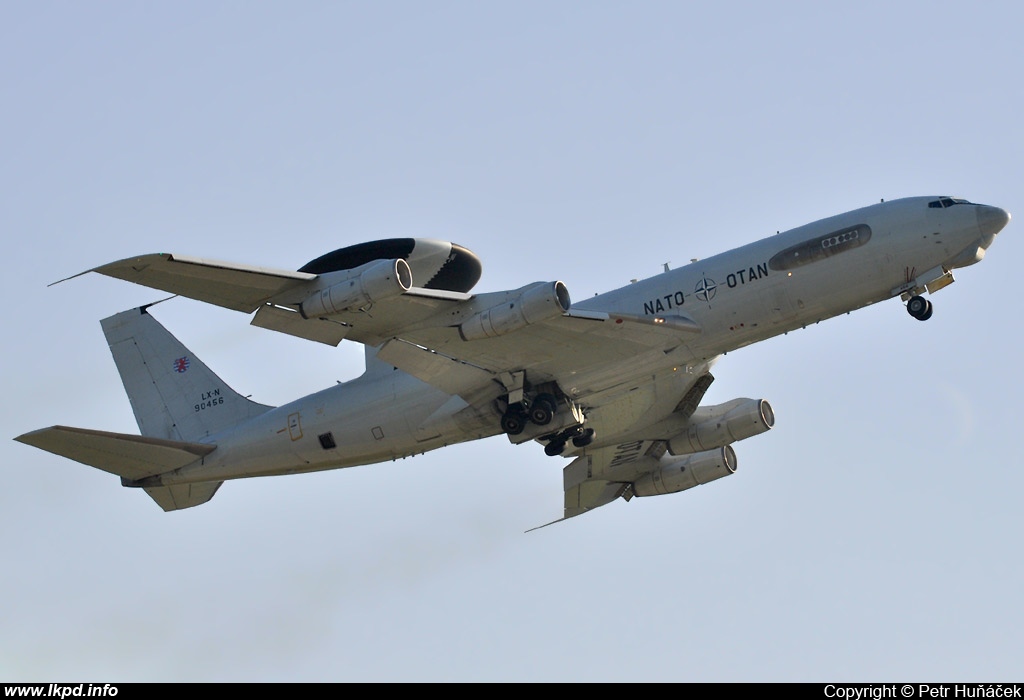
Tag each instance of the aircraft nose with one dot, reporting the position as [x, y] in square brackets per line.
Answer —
[991, 220]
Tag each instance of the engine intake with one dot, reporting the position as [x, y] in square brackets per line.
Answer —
[716, 426]
[681, 474]
[538, 303]
[353, 289]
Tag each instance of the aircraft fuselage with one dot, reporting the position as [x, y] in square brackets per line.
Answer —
[775, 285]
[806, 274]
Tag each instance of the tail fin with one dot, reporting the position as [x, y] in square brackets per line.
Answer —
[177, 402]
[173, 394]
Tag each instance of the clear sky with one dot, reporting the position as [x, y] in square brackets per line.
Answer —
[873, 535]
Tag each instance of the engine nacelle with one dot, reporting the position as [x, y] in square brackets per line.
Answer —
[681, 474]
[542, 301]
[716, 426]
[347, 290]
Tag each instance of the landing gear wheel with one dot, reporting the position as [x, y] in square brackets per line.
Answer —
[514, 421]
[555, 447]
[542, 409]
[920, 308]
[584, 438]
[928, 313]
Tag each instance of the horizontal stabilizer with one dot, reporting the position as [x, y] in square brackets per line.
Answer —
[183, 495]
[131, 457]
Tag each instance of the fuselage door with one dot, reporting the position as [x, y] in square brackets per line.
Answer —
[294, 427]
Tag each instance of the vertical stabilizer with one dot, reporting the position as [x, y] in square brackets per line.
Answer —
[174, 395]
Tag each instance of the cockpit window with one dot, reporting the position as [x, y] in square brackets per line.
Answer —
[947, 202]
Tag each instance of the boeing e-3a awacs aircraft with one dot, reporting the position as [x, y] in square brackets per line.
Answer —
[615, 382]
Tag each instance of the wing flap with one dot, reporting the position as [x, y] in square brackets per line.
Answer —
[449, 375]
[321, 330]
[131, 457]
[591, 494]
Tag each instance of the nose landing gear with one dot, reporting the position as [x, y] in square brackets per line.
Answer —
[920, 308]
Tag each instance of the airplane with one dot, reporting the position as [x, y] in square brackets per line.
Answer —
[614, 382]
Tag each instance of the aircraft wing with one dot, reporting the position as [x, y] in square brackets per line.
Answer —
[456, 341]
[642, 467]
[599, 476]
[233, 286]
[277, 296]
[584, 352]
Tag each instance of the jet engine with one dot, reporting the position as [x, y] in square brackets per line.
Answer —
[346, 290]
[542, 301]
[435, 264]
[681, 474]
[723, 424]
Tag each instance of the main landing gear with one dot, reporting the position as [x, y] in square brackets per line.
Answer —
[920, 308]
[540, 412]
[549, 419]
[581, 437]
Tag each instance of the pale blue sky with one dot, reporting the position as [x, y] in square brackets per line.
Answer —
[873, 535]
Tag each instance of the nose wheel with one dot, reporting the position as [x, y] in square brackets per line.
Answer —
[920, 308]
